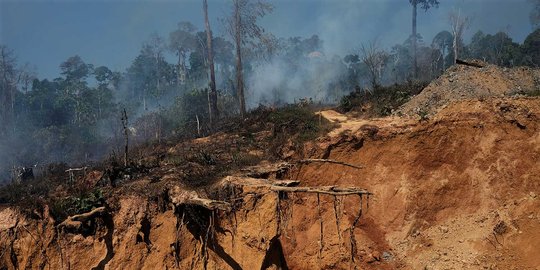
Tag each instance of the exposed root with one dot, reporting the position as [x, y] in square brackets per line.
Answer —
[352, 238]
[338, 213]
[179, 226]
[321, 234]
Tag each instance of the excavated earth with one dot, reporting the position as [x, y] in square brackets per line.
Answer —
[460, 190]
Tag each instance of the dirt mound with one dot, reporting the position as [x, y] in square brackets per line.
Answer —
[461, 82]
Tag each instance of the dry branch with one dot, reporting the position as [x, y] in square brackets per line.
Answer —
[75, 221]
[331, 161]
[182, 197]
[329, 190]
[467, 63]
[76, 169]
[258, 182]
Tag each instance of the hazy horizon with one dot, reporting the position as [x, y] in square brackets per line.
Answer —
[110, 33]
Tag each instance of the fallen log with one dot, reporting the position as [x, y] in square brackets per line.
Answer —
[468, 63]
[331, 161]
[265, 171]
[75, 222]
[181, 197]
[329, 190]
[292, 186]
[258, 182]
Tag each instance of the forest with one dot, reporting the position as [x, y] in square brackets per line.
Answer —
[76, 118]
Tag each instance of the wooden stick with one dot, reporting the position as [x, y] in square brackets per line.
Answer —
[330, 161]
[76, 169]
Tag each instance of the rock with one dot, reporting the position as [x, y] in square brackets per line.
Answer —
[443, 229]
[375, 254]
[387, 256]
[77, 238]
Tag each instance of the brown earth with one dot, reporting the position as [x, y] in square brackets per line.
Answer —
[459, 191]
[461, 82]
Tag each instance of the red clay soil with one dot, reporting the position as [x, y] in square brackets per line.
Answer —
[459, 191]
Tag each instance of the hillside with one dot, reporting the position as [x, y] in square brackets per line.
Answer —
[288, 188]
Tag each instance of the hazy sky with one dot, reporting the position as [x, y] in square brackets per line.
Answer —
[110, 32]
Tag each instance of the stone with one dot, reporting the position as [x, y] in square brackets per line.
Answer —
[443, 229]
[387, 256]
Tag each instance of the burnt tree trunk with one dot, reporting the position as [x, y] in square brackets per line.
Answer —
[126, 137]
[214, 113]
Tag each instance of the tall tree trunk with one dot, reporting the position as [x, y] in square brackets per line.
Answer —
[214, 113]
[415, 61]
[455, 44]
[181, 68]
[443, 60]
[239, 75]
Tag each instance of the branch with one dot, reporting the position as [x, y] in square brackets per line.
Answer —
[467, 63]
[292, 186]
[75, 221]
[183, 197]
[330, 161]
[76, 169]
[329, 190]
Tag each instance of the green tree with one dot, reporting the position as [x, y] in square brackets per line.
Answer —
[531, 49]
[182, 41]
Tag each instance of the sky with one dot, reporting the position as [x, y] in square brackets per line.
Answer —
[44, 33]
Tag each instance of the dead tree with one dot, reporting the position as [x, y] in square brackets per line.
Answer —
[126, 135]
[458, 24]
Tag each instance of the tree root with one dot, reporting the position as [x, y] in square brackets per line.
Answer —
[321, 234]
[75, 222]
[352, 238]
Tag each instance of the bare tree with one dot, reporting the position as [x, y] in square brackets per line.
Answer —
[214, 113]
[374, 57]
[443, 42]
[458, 25]
[27, 74]
[242, 26]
